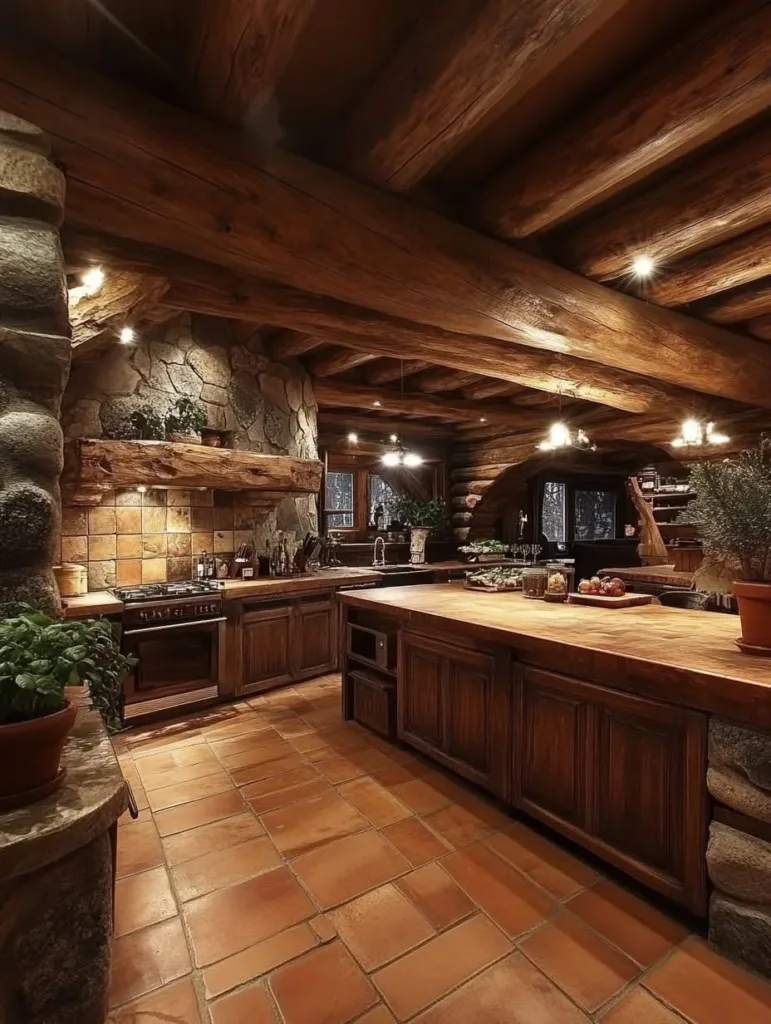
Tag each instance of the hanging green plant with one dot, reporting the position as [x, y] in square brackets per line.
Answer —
[187, 417]
[149, 424]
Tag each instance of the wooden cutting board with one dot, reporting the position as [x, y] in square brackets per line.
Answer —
[627, 601]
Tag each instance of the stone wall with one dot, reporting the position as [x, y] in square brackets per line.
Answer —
[34, 363]
[151, 537]
[739, 858]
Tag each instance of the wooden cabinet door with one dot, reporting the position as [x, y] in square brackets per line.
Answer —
[551, 748]
[266, 652]
[315, 637]
[419, 695]
[649, 770]
[477, 715]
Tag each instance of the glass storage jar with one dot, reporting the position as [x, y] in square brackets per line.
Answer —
[559, 581]
[534, 582]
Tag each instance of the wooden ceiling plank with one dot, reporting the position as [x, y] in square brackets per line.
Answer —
[287, 344]
[737, 305]
[379, 426]
[489, 389]
[709, 201]
[711, 81]
[458, 63]
[327, 364]
[734, 263]
[440, 379]
[240, 50]
[125, 300]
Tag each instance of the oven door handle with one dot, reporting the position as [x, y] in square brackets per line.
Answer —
[174, 625]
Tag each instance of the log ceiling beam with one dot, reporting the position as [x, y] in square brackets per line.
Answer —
[373, 449]
[389, 370]
[381, 427]
[458, 63]
[713, 80]
[740, 304]
[368, 331]
[439, 379]
[734, 263]
[327, 364]
[241, 48]
[129, 160]
[287, 344]
[711, 200]
[359, 396]
[125, 299]
[760, 327]
[489, 389]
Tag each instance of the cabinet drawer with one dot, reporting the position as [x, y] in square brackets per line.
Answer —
[374, 703]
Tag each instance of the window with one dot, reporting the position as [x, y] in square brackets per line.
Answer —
[338, 501]
[595, 515]
[554, 511]
[380, 493]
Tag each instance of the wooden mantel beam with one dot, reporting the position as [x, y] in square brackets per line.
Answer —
[360, 396]
[711, 81]
[461, 59]
[709, 201]
[149, 173]
[240, 49]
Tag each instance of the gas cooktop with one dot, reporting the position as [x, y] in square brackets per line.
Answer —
[167, 591]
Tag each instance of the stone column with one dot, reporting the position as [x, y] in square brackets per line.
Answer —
[34, 364]
[739, 854]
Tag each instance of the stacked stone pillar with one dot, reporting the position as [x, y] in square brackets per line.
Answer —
[739, 851]
[34, 364]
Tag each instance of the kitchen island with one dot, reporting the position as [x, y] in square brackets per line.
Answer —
[594, 721]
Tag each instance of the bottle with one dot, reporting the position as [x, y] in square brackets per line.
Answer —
[200, 567]
[379, 518]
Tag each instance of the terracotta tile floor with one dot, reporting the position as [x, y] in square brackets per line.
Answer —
[289, 868]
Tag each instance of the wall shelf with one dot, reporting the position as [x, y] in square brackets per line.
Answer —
[93, 466]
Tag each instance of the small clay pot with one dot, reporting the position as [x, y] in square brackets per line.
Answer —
[30, 753]
[754, 601]
[211, 438]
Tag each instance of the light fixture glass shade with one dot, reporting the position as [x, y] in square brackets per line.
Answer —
[694, 433]
[561, 436]
[413, 459]
[392, 459]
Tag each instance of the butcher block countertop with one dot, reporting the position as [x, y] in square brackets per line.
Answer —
[665, 575]
[684, 657]
[98, 602]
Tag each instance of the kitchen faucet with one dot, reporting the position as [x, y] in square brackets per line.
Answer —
[381, 560]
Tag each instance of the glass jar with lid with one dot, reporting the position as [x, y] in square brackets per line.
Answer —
[559, 581]
[534, 582]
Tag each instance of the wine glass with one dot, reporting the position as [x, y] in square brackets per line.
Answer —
[537, 548]
[525, 553]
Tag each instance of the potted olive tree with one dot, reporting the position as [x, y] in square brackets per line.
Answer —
[732, 511]
[421, 517]
[185, 421]
[39, 657]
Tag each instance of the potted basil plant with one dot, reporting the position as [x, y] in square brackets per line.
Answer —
[732, 512]
[185, 421]
[39, 657]
[422, 517]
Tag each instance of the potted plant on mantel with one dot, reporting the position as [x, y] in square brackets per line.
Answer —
[39, 657]
[185, 421]
[732, 511]
[421, 517]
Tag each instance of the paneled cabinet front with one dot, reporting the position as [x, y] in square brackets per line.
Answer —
[285, 641]
[454, 705]
[622, 775]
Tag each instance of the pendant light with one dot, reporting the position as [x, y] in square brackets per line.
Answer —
[398, 455]
[562, 436]
[695, 434]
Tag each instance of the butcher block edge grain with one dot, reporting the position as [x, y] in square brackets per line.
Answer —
[686, 658]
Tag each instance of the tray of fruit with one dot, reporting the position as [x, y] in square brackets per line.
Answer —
[609, 592]
[494, 581]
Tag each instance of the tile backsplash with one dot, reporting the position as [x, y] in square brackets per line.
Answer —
[156, 536]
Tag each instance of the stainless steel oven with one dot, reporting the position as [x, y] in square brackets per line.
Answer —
[179, 644]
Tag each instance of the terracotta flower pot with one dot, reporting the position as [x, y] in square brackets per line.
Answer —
[30, 753]
[755, 612]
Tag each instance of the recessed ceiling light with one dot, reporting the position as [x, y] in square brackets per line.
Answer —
[141, 489]
[127, 335]
[376, 403]
[353, 438]
[394, 438]
[93, 280]
[482, 419]
[643, 266]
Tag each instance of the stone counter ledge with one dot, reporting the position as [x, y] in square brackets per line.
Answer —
[91, 799]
